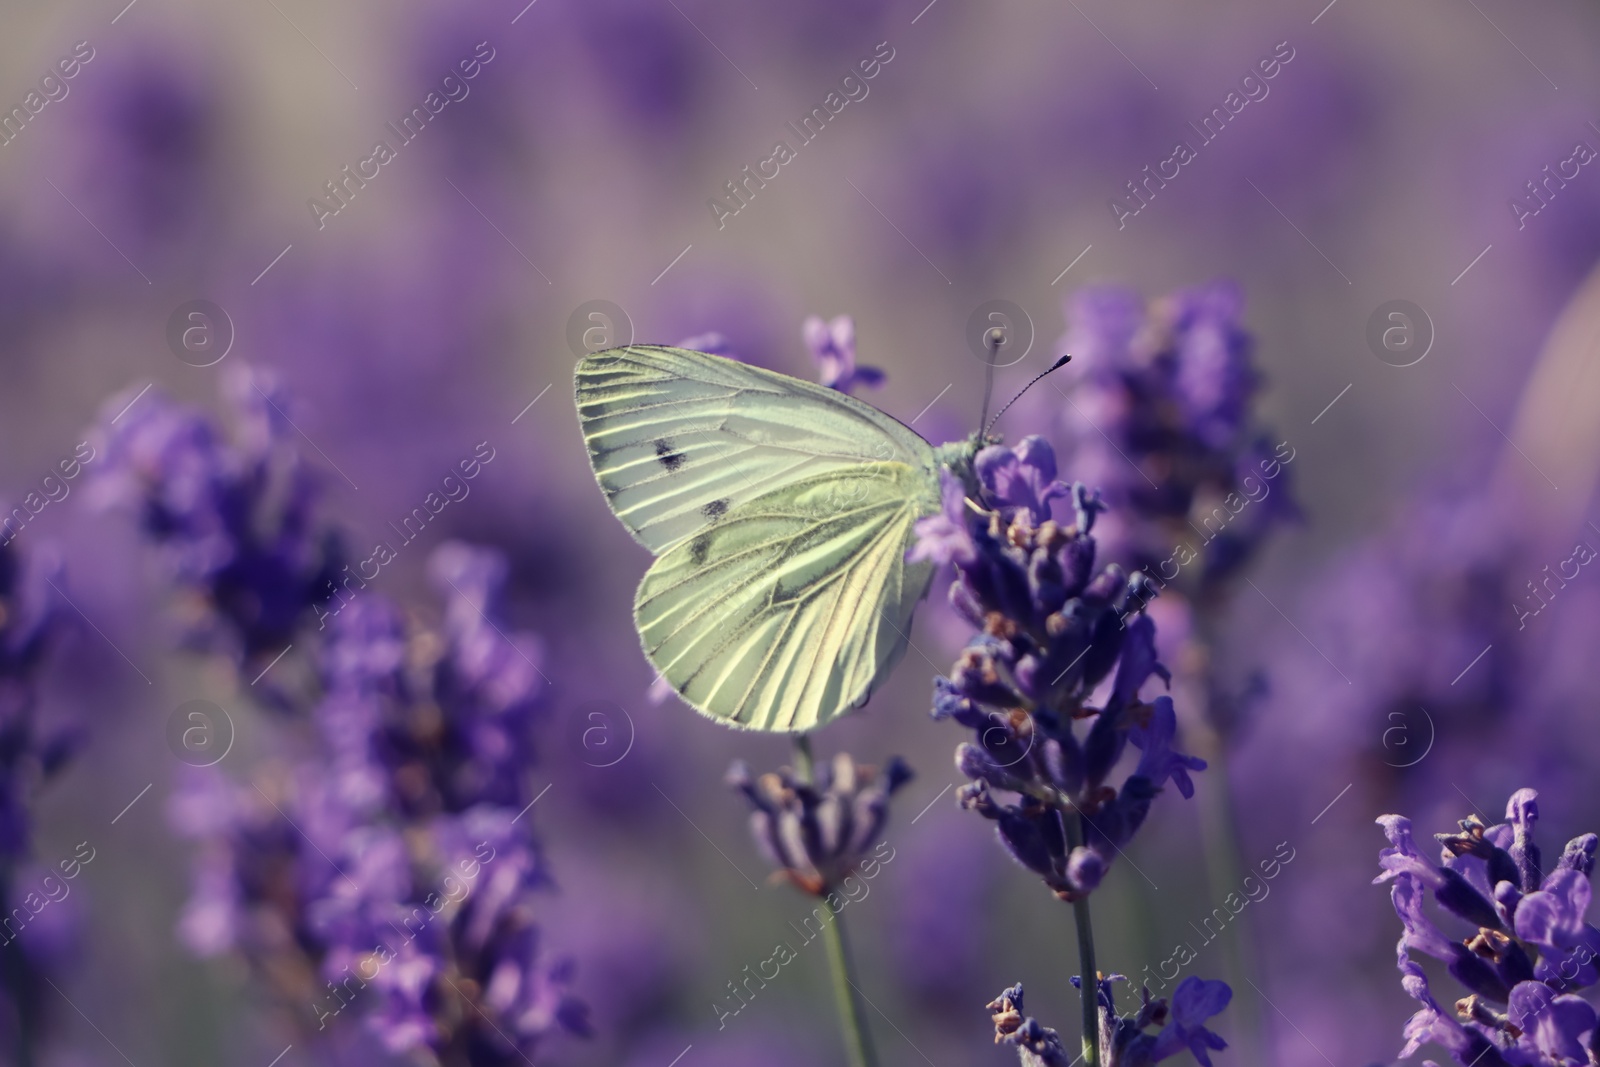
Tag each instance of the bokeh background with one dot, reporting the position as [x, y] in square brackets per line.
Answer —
[438, 304]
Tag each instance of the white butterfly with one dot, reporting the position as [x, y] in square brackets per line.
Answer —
[780, 512]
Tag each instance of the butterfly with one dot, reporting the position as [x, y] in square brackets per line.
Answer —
[780, 513]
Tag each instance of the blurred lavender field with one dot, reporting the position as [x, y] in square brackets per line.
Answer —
[290, 302]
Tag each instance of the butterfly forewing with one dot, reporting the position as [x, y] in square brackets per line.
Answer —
[679, 439]
[788, 609]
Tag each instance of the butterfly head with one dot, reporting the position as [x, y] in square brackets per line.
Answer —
[959, 457]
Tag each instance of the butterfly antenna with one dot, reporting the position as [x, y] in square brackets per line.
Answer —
[1057, 365]
[991, 342]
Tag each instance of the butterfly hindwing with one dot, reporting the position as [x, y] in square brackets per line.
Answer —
[785, 611]
[679, 439]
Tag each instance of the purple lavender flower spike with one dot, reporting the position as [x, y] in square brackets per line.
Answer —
[1215, 374]
[424, 744]
[31, 755]
[833, 346]
[235, 523]
[1052, 631]
[819, 833]
[153, 120]
[389, 861]
[1124, 1040]
[1521, 1009]
[1162, 421]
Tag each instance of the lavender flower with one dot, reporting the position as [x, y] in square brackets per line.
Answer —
[833, 346]
[29, 624]
[153, 119]
[1123, 1040]
[491, 682]
[30, 950]
[391, 853]
[1163, 424]
[1051, 631]
[1532, 950]
[1402, 614]
[659, 81]
[1021, 477]
[394, 859]
[818, 833]
[235, 522]
[943, 537]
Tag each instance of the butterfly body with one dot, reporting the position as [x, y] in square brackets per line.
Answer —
[780, 513]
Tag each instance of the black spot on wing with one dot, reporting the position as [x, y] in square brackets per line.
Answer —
[699, 548]
[666, 456]
[715, 510]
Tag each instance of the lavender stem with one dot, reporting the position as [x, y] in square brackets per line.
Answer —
[804, 765]
[857, 1037]
[1089, 977]
[846, 995]
[1224, 861]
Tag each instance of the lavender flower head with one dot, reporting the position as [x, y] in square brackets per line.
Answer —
[1051, 631]
[818, 833]
[31, 949]
[395, 856]
[1532, 949]
[30, 621]
[385, 865]
[1163, 423]
[1123, 1040]
[235, 521]
[833, 346]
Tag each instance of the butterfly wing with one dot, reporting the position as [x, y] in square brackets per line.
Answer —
[786, 611]
[679, 438]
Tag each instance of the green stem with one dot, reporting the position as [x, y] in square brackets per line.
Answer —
[846, 993]
[16, 978]
[846, 996]
[804, 766]
[1088, 975]
[1224, 860]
